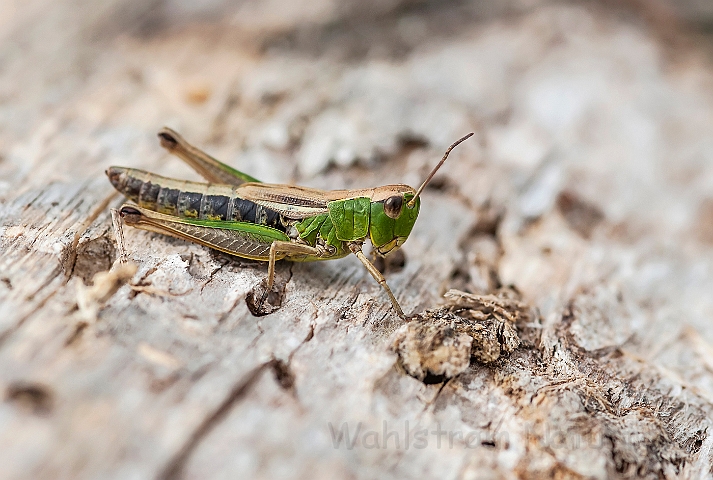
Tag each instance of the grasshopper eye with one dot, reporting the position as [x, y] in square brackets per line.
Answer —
[392, 206]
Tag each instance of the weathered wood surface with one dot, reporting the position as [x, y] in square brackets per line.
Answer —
[589, 189]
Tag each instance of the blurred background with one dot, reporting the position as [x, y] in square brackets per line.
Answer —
[588, 186]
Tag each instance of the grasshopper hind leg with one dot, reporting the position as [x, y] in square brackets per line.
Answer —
[207, 166]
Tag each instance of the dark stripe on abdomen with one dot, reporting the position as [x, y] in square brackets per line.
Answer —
[189, 204]
[167, 201]
[172, 201]
[243, 210]
[148, 194]
[214, 207]
[248, 211]
[132, 188]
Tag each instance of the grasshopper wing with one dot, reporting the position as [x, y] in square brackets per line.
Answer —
[241, 239]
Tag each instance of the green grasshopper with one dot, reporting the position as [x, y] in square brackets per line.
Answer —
[239, 215]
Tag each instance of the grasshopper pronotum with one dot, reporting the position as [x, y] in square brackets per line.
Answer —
[239, 215]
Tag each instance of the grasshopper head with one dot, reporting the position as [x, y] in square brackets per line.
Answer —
[394, 210]
[393, 215]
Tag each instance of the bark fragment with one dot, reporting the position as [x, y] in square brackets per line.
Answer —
[440, 342]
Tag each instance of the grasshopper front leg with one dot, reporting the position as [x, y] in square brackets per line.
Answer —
[356, 250]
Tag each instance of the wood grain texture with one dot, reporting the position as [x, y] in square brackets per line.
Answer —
[587, 190]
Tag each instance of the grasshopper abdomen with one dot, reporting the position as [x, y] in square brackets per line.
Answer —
[193, 200]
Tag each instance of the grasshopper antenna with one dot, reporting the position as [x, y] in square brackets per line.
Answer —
[411, 202]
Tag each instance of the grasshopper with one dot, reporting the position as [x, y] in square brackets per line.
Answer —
[239, 215]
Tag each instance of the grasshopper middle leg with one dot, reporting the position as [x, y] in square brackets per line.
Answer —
[279, 250]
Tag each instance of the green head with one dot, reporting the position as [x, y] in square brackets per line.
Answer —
[394, 209]
[392, 219]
